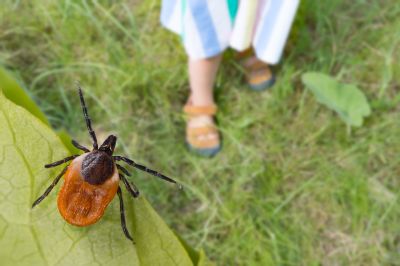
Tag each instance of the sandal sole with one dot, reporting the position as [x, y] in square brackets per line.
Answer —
[264, 85]
[206, 152]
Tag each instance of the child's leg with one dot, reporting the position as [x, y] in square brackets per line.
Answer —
[258, 74]
[202, 74]
[201, 133]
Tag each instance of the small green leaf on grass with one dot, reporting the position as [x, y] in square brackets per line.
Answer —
[345, 99]
[40, 236]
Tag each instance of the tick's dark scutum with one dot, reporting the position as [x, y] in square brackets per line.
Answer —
[97, 167]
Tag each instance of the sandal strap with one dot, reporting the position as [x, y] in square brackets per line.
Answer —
[258, 79]
[244, 54]
[256, 65]
[200, 110]
[193, 134]
[198, 131]
[249, 60]
[205, 143]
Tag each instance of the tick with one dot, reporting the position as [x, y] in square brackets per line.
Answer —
[92, 179]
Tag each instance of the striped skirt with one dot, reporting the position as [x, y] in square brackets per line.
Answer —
[208, 27]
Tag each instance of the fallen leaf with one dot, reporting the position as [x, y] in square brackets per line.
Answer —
[345, 99]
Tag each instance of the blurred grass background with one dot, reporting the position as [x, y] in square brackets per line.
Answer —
[291, 186]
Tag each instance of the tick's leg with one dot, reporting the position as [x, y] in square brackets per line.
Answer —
[79, 146]
[61, 161]
[87, 118]
[129, 186]
[122, 211]
[48, 190]
[123, 169]
[132, 189]
[144, 168]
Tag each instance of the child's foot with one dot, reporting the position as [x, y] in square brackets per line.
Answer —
[202, 136]
[258, 74]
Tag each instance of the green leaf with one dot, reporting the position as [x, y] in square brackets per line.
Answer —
[18, 95]
[40, 236]
[157, 244]
[203, 260]
[345, 99]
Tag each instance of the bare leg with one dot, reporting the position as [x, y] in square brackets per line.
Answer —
[202, 75]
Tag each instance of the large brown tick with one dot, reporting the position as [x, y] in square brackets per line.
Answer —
[92, 179]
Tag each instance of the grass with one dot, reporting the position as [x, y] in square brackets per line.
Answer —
[292, 186]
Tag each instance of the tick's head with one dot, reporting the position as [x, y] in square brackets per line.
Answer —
[108, 145]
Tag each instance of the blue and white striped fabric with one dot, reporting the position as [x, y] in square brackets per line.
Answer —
[208, 27]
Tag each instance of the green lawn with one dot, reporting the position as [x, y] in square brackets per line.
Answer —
[292, 186]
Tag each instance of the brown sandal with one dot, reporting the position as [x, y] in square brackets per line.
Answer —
[194, 140]
[258, 74]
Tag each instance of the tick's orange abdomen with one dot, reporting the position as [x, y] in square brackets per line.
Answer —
[81, 203]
